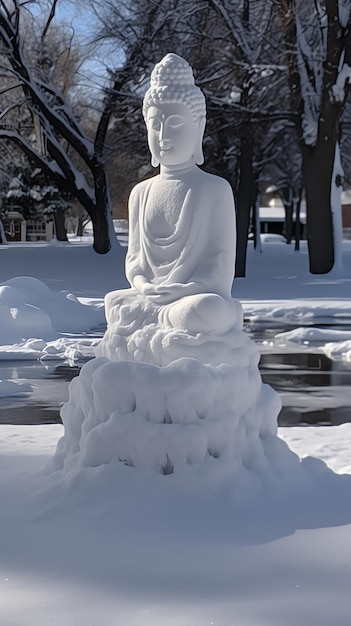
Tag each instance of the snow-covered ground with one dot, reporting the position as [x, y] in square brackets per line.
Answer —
[49, 293]
[110, 545]
[278, 292]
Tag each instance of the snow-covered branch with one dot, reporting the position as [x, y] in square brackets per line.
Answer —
[311, 81]
[343, 79]
[31, 153]
[65, 142]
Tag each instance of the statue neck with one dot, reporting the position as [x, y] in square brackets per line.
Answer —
[177, 171]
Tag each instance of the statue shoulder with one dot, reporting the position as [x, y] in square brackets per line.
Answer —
[139, 189]
[216, 185]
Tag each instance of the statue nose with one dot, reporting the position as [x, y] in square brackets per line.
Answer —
[163, 137]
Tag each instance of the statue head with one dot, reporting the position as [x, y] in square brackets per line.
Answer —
[175, 114]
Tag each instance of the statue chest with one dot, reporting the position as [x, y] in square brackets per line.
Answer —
[164, 206]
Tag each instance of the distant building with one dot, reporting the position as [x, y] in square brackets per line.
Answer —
[272, 218]
[18, 229]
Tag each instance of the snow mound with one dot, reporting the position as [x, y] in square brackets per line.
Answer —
[29, 309]
[9, 388]
[64, 348]
[313, 335]
[302, 312]
[335, 350]
[272, 238]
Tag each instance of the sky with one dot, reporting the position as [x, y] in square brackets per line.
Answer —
[84, 21]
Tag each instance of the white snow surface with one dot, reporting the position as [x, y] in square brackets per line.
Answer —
[278, 290]
[111, 545]
[28, 308]
[38, 316]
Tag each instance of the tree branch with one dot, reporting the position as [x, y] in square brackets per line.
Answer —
[49, 20]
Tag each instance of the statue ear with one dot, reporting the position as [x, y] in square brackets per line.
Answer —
[198, 153]
[154, 161]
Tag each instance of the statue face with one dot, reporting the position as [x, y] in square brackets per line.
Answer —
[172, 134]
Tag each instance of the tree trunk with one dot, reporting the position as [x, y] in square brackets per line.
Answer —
[60, 229]
[318, 160]
[317, 170]
[297, 206]
[319, 219]
[256, 222]
[101, 216]
[286, 194]
[102, 243]
[336, 208]
[244, 204]
[2, 233]
[80, 227]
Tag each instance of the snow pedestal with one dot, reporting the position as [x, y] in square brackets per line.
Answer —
[142, 403]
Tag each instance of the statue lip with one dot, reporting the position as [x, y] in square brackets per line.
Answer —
[165, 145]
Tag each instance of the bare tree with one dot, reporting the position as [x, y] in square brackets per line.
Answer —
[228, 44]
[65, 141]
[345, 143]
[280, 166]
[318, 53]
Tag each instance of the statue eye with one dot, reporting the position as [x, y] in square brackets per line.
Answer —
[175, 121]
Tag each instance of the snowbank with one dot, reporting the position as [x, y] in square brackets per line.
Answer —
[319, 336]
[32, 316]
[335, 350]
[288, 313]
[335, 344]
[10, 388]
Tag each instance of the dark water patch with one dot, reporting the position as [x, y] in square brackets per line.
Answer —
[314, 389]
[31, 413]
[291, 416]
[49, 391]
[268, 328]
[298, 369]
[65, 372]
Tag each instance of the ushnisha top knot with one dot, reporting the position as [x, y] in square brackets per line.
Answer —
[172, 70]
[172, 80]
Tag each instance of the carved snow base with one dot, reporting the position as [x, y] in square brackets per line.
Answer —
[164, 419]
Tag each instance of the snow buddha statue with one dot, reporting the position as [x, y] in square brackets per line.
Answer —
[175, 383]
[182, 236]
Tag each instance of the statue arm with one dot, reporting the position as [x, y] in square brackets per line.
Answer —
[216, 267]
[135, 271]
[166, 293]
